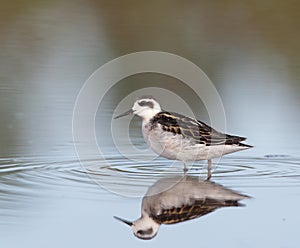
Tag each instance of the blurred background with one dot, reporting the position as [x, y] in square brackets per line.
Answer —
[48, 49]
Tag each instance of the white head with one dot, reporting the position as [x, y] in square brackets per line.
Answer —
[146, 107]
[143, 228]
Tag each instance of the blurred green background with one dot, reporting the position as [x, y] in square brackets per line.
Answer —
[250, 51]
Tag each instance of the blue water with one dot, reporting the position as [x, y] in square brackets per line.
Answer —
[41, 199]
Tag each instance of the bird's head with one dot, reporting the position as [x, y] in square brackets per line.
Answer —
[143, 228]
[146, 107]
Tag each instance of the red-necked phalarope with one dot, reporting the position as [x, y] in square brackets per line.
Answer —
[178, 137]
[177, 199]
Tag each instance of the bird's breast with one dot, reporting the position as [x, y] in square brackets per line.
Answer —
[164, 143]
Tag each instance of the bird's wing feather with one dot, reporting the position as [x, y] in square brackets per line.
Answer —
[191, 211]
[176, 199]
[195, 129]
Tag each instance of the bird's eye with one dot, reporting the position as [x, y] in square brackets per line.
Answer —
[143, 103]
[146, 103]
[145, 232]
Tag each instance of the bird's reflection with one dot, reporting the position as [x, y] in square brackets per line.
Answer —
[176, 199]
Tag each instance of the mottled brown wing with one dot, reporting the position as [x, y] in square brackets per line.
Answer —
[195, 129]
[188, 212]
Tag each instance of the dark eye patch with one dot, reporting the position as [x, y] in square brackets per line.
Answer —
[146, 103]
[145, 232]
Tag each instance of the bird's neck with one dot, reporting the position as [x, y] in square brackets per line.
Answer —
[146, 221]
[148, 115]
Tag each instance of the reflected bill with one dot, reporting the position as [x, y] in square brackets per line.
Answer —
[176, 199]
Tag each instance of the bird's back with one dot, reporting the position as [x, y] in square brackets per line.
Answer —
[196, 130]
[176, 199]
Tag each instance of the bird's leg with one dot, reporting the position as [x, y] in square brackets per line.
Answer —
[208, 169]
[185, 169]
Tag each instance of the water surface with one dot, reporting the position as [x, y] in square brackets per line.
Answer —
[249, 50]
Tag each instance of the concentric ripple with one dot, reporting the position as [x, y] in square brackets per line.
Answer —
[129, 178]
[26, 179]
[29, 181]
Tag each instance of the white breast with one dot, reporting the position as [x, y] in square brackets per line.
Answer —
[172, 146]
